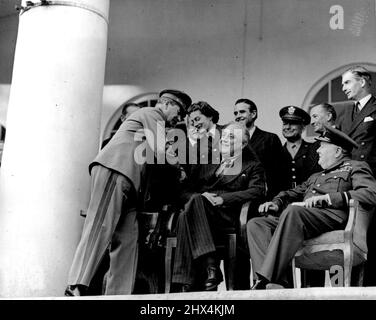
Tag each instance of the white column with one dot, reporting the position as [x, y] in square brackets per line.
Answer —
[52, 135]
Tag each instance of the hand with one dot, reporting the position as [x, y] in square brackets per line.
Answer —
[266, 207]
[213, 198]
[218, 201]
[183, 175]
[317, 201]
[171, 156]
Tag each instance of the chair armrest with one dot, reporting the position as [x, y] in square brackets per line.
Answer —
[243, 219]
[353, 210]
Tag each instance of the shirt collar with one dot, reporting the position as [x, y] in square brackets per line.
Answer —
[251, 131]
[212, 130]
[297, 143]
[337, 164]
[364, 101]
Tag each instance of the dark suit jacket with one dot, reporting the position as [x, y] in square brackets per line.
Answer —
[302, 166]
[268, 148]
[246, 185]
[361, 128]
[195, 167]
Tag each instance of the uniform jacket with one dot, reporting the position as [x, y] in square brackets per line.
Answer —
[361, 128]
[119, 153]
[268, 148]
[302, 166]
[345, 180]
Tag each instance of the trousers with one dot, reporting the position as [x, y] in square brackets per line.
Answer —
[273, 241]
[110, 222]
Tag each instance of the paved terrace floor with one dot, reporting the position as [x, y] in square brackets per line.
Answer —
[352, 293]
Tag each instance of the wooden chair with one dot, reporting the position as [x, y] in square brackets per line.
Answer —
[152, 228]
[346, 248]
[229, 248]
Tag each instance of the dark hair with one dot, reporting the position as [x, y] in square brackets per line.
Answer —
[251, 104]
[205, 109]
[361, 73]
[328, 108]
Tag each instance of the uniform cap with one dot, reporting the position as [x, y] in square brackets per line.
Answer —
[337, 137]
[180, 97]
[294, 114]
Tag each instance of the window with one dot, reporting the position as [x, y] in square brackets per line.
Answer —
[2, 139]
[145, 100]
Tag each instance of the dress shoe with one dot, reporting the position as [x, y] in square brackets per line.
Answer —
[213, 279]
[259, 285]
[75, 290]
[274, 286]
[186, 288]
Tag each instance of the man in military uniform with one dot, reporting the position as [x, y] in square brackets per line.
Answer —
[300, 156]
[325, 195]
[116, 176]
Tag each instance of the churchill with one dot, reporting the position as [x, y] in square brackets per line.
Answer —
[275, 238]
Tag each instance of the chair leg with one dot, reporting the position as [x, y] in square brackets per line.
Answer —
[170, 244]
[294, 275]
[347, 265]
[357, 275]
[251, 275]
[230, 262]
[361, 275]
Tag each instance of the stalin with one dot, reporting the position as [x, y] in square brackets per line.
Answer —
[318, 205]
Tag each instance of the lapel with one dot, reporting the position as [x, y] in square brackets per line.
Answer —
[301, 152]
[257, 137]
[286, 151]
[226, 179]
[369, 108]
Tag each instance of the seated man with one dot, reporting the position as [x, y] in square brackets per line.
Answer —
[216, 204]
[273, 241]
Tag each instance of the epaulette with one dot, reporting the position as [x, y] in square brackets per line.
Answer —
[346, 167]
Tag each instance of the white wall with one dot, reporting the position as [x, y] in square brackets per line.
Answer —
[197, 46]
[202, 47]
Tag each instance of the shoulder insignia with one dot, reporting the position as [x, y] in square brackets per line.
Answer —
[344, 168]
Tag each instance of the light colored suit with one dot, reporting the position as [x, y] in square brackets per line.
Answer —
[111, 216]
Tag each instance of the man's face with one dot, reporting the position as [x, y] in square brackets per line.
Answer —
[319, 116]
[328, 154]
[352, 86]
[292, 131]
[173, 114]
[243, 115]
[231, 141]
[199, 123]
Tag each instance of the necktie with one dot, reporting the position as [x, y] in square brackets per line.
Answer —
[357, 107]
[293, 150]
[210, 145]
[224, 165]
